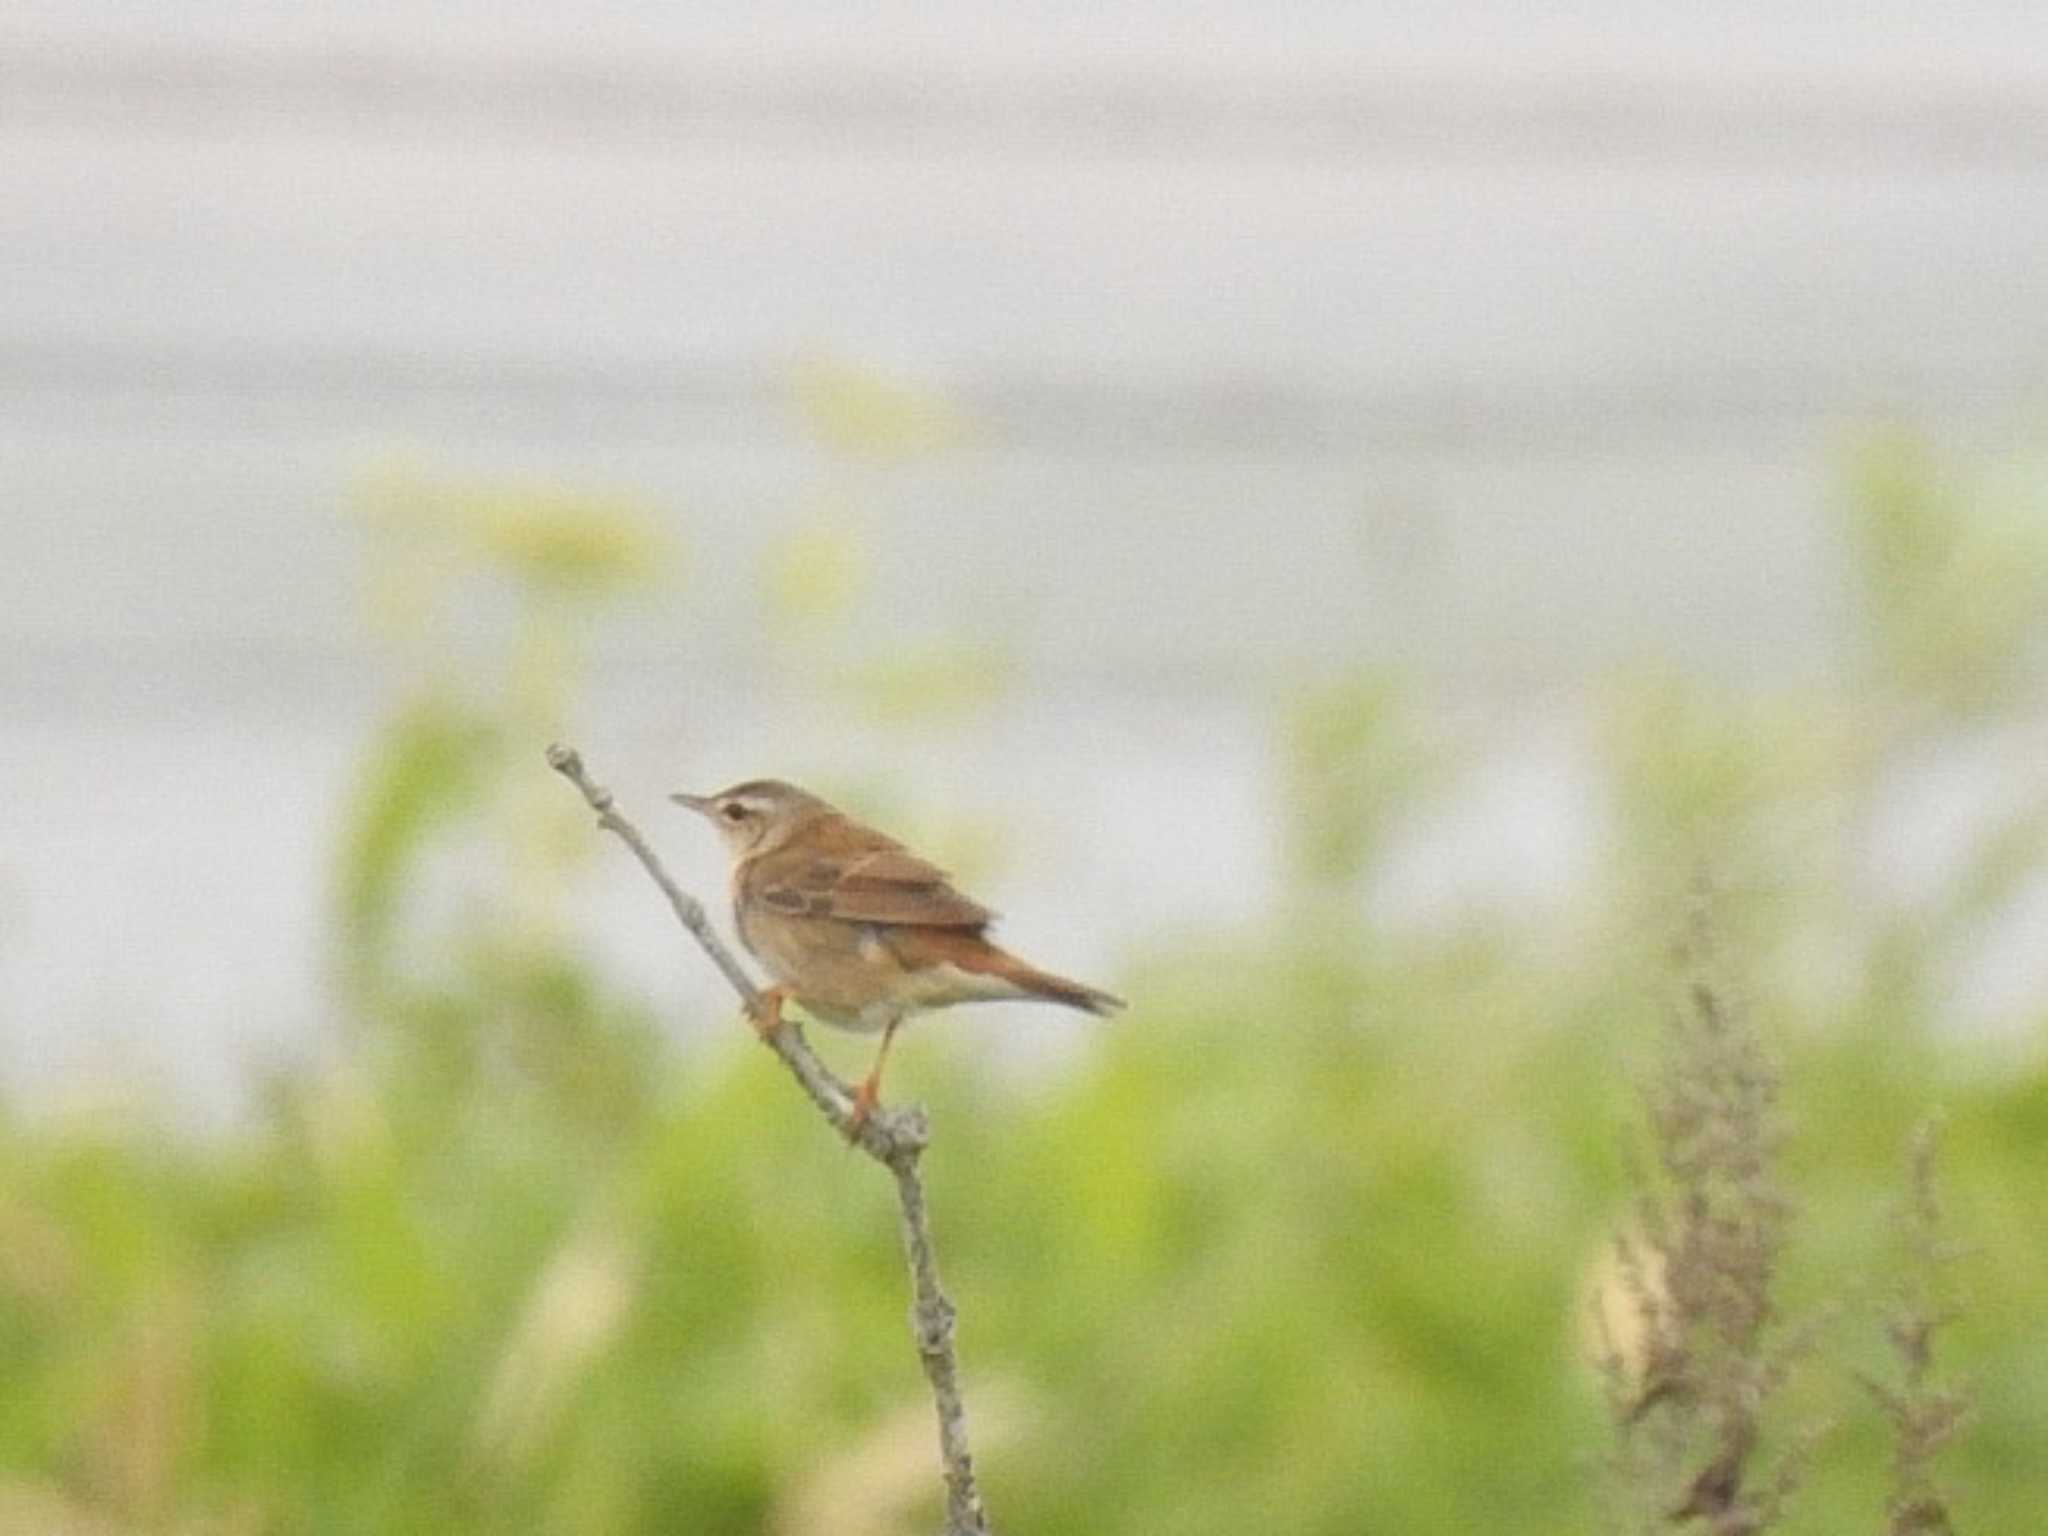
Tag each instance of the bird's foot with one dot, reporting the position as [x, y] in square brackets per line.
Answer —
[864, 1101]
[766, 1012]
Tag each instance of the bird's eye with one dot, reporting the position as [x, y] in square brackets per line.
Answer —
[732, 810]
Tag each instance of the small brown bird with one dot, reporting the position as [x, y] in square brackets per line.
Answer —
[856, 927]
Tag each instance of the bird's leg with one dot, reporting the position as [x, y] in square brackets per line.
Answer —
[766, 1013]
[870, 1089]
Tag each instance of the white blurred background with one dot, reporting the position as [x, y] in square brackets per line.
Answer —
[1401, 334]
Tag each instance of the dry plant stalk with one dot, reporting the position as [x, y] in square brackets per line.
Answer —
[1925, 1414]
[893, 1138]
[1711, 1227]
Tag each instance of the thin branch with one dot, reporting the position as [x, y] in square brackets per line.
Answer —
[893, 1138]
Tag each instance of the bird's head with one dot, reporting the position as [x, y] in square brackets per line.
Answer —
[755, 814]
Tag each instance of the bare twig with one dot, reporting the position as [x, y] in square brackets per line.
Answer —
[893, 1138]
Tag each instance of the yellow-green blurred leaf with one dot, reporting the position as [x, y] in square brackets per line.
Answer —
[860, 412]
[933, 683]
[1953, 581]
[1349, 758]
[815, 573]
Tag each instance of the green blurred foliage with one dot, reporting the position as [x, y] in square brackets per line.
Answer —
[864, 414]
[931, 684]
[557, 539]
[1952, 571]
[429, 768]
[815, 576]
[1308, 1244]
[1351, 760]
[454, 762]
[815, 573]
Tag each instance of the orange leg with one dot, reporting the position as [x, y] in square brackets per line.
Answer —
[870, 1089]
[766, 1014]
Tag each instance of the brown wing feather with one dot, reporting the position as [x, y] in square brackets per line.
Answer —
[858, 876]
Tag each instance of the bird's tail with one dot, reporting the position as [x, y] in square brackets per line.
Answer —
[1004, 975]
[1046, 987]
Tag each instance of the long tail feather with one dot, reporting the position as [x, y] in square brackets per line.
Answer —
[960, 950]
[1056, 989]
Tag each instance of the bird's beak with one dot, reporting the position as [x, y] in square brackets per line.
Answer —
[701, 804]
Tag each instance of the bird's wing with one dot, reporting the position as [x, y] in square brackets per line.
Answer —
[871, 881]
